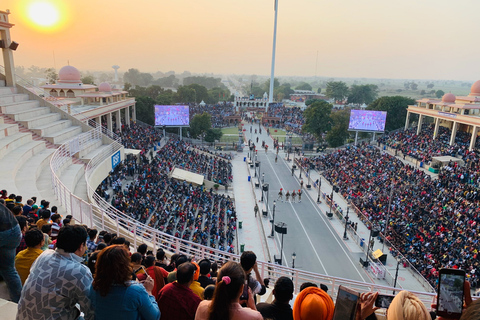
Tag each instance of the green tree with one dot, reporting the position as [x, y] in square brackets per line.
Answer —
[430, 85]
[200, 124]
[413, 86]
[153, 91]
[304, 86]
[337, 90]
[317, 118]
[337, 135]
[145, 109]
[88, 79]
[213, 134]
[168, 81]
[366, 93]
[319, 90]
[439, 93]
[217, 94]
[51, 75]
[135, 77]
[165, 98]
[396, 108]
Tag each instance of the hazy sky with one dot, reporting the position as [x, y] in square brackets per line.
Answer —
[426, 39]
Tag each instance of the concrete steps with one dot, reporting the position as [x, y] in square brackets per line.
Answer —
[27, 178]
[72, 175]
[64, 135]
[96, 149]
[12, 108]
[14, 97]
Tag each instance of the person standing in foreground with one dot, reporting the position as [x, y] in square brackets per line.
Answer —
[115, 295]
[58, 281]
[280, 308]
[225, 304]
[10, 237]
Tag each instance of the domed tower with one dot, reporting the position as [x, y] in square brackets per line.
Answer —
[475, 90]
[69, 75]
[104, 87]
[449, 98]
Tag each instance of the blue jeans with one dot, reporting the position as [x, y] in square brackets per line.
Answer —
[9, 241]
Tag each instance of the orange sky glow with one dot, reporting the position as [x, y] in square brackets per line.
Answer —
[428, 39]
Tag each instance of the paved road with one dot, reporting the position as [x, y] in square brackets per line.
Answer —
[317, 245]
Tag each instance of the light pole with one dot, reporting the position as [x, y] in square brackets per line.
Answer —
[294, 256]
[273, 219]
[330, 214]
[272, 76]
[300, 171]
[346, 225]
[263, 177]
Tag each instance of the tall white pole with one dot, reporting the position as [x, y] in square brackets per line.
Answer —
[272, 76]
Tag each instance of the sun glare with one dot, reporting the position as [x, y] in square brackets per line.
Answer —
[44, 14]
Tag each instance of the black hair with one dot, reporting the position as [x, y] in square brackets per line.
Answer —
[107, 237]
[101, 246]
[160, 254]
[18, 198]
[22, 221]
[92, 233]
[142, 249]
[149, 253]
[56, 216]
[204, 266]
[149, 261]
[46, 228]
[306, 285]
[136, 257]
[44, 213]
[181, 259]
[185, 272]
[247, 260]
[66, 221]
[323, 287]
[70, 238]
[54, 210]
[16, 210]
[283, 289]
[118, 240]
[209, 291]
[33, 237]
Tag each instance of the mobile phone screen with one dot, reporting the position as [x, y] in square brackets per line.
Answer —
[346, 305]
[244, 295]
[383, 301]
[450, 293]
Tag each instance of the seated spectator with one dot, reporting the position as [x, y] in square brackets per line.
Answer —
[114, 295]
[407, 306]
[248, 260]
[92, 260]
[44, 218]
[55, 225]
[306, 285]
[161, 259]
[472, 312]
[313, 303]
[119, 240]
[204, 273]
[156, 273]
[22, 222]
[209, 291]
[176, 300]
[142, 249]
[172, 276]
[17, 210]
[10, 236]
[18, 201]
[28, 207]
[280, 308]
[67, 279]
[136, 260]
[91, 244]
[33, 213]
[66, 222]
[195, 286]
[25, 258]
[47, 231]
[171, 265]
[10, 201]
[213, 268]
[225, 304]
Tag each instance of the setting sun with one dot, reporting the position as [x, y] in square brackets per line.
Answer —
[44, 14]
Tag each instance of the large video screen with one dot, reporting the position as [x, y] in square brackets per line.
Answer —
[173, 116]
[363, 120]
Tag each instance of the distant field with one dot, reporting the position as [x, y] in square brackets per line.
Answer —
[230, 130]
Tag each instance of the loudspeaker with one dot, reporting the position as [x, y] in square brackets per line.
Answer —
[363, 263]
[265, 187]
[13, 46]
[281, 227]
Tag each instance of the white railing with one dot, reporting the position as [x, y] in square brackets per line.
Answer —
[102, 215]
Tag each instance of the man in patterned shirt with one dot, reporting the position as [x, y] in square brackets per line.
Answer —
[58, 281]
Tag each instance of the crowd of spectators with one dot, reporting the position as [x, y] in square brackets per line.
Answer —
[423, 147]
[176, 207]
[139, 137]
[433, 221]
[218, 112]
[291, 118]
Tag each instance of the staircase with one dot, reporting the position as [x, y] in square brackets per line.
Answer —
[29, 135]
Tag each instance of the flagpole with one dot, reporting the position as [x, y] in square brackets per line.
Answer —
[272, 76]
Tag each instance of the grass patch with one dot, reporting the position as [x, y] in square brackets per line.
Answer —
[230, 130]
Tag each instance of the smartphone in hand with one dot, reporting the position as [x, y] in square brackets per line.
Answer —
[383, 301]
[450, 293]
[346, 304]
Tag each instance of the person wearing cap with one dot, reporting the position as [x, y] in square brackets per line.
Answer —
[313, 304]
[33, 213]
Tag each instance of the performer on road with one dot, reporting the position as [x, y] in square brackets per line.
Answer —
[300, 195]
[287, 195]
[280, 195]
[256, 209]
[294, 195]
